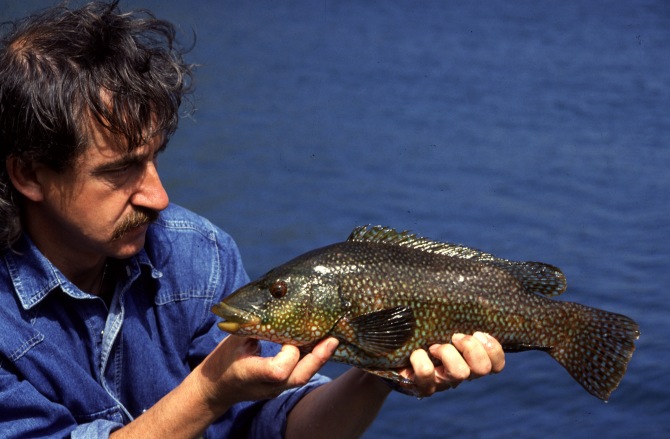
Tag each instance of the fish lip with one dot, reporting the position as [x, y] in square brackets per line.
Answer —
[235, 318]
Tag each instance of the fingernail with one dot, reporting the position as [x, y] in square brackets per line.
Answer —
[457, 337]
[484, 338]
[332, 345]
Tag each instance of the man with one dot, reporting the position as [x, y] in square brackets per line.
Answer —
[105, 328]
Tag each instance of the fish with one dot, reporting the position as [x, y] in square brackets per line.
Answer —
[384, 293]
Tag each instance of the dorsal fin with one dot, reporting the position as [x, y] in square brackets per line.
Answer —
[386, 235]
[536, 277]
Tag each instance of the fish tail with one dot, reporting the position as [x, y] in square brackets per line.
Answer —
[596, 348]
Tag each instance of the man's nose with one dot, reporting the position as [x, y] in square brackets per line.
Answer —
[151, 193]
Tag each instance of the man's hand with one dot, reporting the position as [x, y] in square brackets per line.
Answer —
[346, 406]
[467, 357]
[234, 372]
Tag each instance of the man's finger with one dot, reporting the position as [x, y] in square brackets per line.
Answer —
[493, 349]
[424, 372]
[283, 364]
[475, 355]
[454, 367]
[312, 362]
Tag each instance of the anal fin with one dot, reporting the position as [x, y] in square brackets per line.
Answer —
[396, 381]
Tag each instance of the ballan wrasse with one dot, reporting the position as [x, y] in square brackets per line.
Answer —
[384, 294]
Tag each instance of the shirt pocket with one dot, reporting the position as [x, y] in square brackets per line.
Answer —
[16, 343]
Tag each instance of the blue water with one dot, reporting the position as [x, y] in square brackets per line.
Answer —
[533, 130]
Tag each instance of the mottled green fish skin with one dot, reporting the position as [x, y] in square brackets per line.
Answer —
[384, 294]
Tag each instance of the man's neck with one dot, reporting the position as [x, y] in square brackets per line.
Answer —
[83, 269]
[91, 279]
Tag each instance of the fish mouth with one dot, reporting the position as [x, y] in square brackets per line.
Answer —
[235, 318]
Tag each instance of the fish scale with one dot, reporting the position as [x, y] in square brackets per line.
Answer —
[385, 293]
[437, 315]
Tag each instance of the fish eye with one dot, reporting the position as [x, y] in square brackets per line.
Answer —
[278, 289]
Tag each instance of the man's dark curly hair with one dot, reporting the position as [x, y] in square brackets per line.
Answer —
[62, 66]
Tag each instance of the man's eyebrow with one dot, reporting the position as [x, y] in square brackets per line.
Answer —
[121, 162]
[129, 159]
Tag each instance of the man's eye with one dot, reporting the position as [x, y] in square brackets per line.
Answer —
[119, 170]
[119, 175]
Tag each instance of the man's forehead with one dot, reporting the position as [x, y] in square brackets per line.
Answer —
[100, 140]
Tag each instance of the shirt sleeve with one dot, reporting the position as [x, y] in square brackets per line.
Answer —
[271, 417]
[27, 413]
[97, 429]
[263, 419]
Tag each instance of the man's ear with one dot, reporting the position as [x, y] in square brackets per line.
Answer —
[24, 177]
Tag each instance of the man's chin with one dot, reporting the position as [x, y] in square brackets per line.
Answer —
[130, 243]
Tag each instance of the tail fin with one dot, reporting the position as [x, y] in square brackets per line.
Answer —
[599, 349]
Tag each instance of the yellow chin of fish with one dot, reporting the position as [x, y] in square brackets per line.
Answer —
[235, 319]
[229, 327]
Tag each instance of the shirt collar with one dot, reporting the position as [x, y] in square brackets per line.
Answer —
[34, 276]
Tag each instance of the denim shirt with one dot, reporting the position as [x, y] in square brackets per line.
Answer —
[72, 366]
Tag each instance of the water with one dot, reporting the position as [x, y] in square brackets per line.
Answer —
[533, 130]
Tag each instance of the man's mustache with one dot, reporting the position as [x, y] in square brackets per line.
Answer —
[135, 219]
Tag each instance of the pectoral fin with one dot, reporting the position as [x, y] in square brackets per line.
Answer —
[379, 332]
